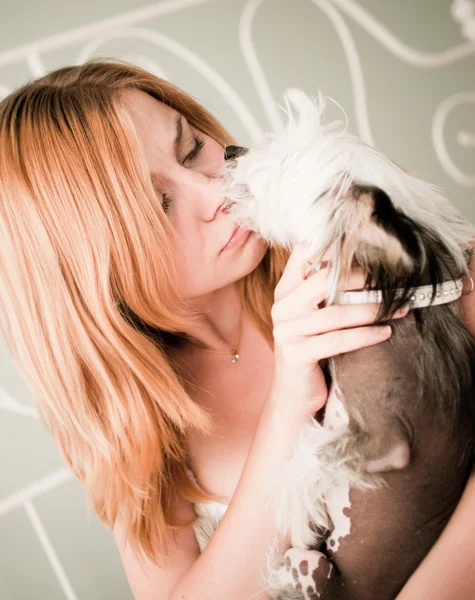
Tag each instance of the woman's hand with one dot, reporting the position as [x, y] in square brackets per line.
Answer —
[304, 334]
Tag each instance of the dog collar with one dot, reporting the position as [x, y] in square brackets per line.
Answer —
[445, 292]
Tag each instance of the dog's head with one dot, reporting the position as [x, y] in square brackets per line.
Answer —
[324, 187]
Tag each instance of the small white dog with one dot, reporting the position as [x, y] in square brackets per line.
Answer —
[374, 480]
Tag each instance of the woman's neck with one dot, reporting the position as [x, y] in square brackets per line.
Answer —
[219, 325]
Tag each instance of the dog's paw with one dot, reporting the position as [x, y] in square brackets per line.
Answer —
[303, 574]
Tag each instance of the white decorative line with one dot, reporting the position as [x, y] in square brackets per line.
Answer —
[262, 85]
[147, 63]
[4, 91]
[35, 489]
[388, 40]
[36, 64]
[11, 405]
[463, 11]
[398, 48]
[50, 552]
[120, 27]
[355, 70]
[254, 66]
[190, 58]
[438, 140]
[77, 35]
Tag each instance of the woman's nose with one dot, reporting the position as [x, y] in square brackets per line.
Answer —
[231, 152]
[209, 195]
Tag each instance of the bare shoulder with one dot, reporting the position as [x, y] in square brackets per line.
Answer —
[146, 580]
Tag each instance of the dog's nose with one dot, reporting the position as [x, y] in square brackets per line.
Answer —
[231, 152]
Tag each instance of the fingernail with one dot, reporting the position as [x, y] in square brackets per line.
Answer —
[402, 311]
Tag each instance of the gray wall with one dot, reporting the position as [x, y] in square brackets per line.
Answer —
[404, 73]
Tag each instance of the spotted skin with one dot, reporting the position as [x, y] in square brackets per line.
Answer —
[338, 499]
[304, 575]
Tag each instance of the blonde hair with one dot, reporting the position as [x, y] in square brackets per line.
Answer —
[89, 295]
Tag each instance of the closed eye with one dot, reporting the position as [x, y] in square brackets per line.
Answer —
[199, 145]
[166, 202]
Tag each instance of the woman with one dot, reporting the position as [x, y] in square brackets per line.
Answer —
[125, 308]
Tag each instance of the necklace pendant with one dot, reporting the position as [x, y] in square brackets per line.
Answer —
[235, 356]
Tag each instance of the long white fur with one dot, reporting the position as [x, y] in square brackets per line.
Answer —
[321, 460]
[274, 188]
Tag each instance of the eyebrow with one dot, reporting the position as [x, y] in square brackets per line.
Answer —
[176, 144]
[179, 133]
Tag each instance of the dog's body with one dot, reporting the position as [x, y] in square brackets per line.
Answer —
[403, 428]
[375, 478]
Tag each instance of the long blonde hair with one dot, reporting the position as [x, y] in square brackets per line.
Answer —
[89, 296]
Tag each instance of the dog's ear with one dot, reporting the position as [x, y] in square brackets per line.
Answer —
[379, 237]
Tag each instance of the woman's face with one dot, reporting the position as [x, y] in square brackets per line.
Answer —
[193, 202]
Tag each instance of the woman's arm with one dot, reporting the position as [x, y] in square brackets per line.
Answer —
[233, 564]
[448, 571]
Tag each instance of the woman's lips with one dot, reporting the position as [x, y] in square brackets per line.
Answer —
[237, 238]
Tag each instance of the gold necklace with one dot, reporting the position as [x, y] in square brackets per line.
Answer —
[234, 351]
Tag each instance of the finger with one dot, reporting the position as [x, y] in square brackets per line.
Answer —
[347, 340]
[295, 271]
[314, 267]
[331, 318]
[344, 316]
[305, 297]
